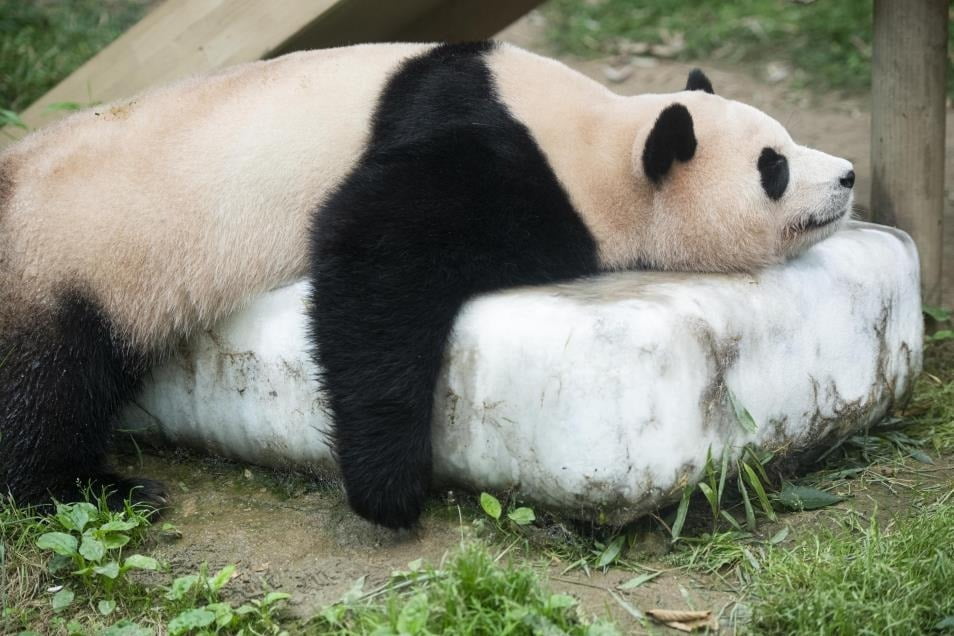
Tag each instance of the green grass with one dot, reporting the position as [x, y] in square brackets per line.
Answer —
[82, 570]
[827, 43]
[43, 41]
[865, 580]
[470, 594]
[932, 406]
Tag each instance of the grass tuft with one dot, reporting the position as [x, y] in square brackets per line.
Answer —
[471, 594]
[869, 579]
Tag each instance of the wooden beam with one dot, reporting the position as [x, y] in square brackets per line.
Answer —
[184, 37]
[353, 21]
[176, 39]
[908, 126]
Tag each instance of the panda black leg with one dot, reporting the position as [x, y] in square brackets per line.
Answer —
[452, 198]
[381, 353]
[62, 379]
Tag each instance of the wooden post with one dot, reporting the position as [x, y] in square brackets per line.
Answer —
[907, 126]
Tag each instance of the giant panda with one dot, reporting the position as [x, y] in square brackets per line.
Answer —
[403, 179]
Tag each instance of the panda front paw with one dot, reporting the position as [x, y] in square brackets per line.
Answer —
[137, 491]
[395, 500]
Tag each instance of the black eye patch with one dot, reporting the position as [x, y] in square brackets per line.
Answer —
[774, 170]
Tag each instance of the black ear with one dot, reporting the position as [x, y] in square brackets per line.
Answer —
[699, 82]
[672, 137]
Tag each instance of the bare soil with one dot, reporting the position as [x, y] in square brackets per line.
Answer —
[284, 533]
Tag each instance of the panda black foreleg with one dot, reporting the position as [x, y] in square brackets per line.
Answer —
[63, 375]
[380, 341]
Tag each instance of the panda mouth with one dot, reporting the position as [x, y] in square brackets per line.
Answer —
[815, 223]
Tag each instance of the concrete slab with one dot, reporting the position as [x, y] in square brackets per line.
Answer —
[599, 398]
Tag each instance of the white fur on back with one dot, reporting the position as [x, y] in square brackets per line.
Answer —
[174, 206]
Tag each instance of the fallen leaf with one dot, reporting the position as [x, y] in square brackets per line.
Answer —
[806, 498]
[685, 620]
[636, 581]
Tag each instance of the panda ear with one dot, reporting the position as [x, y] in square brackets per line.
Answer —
[671, 138]
[699, 82]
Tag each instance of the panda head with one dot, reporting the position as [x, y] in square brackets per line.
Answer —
[729, 189]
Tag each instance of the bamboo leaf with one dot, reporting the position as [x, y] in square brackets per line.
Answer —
[611, 552]
[636, 581]
[745, 419]
[806, 497]
[681, 513]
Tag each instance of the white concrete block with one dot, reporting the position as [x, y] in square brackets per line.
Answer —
[601, 396]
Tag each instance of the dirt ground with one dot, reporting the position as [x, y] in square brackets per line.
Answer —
[304, 541]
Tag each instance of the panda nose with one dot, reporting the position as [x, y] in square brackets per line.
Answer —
[848, 180]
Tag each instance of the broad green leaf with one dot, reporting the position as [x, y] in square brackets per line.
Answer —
[221, 578]
[943, 334]
[181, 586]
[223, 614]
[274, 597]
[806, 498]
[106, 607]
[611, 552]
[140, 562]
[58, 542]
[921, 456]
[491, 505]
[413, 617]
[937, 313]
[118, 525]
[189, 620]
[114, 540]
[522, 516]
[126, 627]
[62, 599]
[745, 419]
[560, 601]
[109, 570]
[636, 581]
[80, 513]
[92, 549]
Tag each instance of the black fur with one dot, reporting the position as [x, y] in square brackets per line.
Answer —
[671, 138]
[452, 198]
[62, 378]
[699, 82]
[773, 168]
